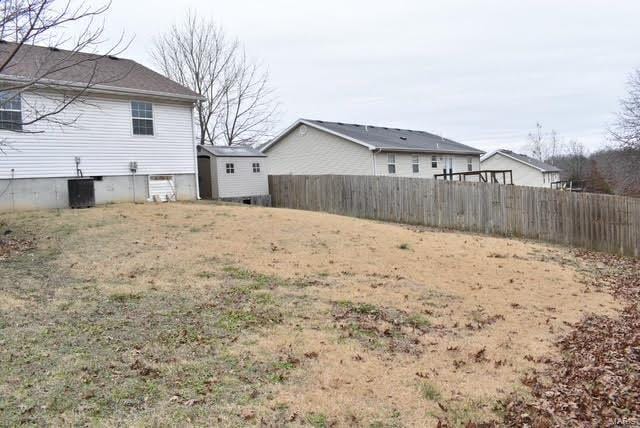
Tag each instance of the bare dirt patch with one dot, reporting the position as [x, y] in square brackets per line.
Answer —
[161, 314]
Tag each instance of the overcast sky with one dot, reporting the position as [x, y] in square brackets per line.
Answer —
[479, 72]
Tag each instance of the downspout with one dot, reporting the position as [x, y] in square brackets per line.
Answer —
[195, 153]
[374, 151]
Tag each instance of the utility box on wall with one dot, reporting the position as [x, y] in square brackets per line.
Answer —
[81, 193]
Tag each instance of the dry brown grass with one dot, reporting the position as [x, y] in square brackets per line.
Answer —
[382, 324]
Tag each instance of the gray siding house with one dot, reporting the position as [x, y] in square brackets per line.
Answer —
[318, 147]
[526, 171]
[133, 132]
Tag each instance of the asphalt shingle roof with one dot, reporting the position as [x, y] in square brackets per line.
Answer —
[81, 68]
[535, 162]
[232, 151]
[397, 139]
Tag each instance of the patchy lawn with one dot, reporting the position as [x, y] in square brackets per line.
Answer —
[235, 315]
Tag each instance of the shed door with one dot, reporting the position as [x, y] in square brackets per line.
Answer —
[204, 177]
[162, 188]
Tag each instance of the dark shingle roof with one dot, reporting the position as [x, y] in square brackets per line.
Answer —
[545, 167]
[396, 139]
[80, 68]
[232, 151]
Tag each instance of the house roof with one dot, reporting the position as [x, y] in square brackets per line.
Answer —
[67, 68]
[231, 151]
[384, 138]
[535, 163]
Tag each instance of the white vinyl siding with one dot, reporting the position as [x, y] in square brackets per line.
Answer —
[243, 182]
[318, 152]
[405, 162]
[102, 137]
[523, 174]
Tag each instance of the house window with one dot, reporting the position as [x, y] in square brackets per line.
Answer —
[10, 111]
[469, 164]
[142, 117]
[230, 168]
[434, 162]
[391, 163]
[256, 167]
[415, 164]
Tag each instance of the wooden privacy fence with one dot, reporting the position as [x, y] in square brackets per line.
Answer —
[599, 222]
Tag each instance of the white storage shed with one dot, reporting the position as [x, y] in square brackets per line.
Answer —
[233, 173]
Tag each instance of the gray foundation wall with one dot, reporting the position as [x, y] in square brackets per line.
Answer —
[42, 193]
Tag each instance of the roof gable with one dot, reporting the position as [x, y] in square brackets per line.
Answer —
[79, 68]
[383, 138]
[524, 159]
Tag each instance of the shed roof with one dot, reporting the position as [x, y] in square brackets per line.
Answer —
[384, 138]
[58, 66]
[231, 151]
[535, 163]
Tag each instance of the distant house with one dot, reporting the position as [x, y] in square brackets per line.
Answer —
[233, 173]
[317, 147]
[132, 135]
[526, 171]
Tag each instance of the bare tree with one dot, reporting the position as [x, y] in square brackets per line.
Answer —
[544, 147]
[238, 106]
[198, 55]
[626, 130]
[249, 105]
[30, 22]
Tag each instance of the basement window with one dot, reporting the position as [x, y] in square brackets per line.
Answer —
[256, 167]
[10, 111]
[142, 117]
[415, 164]
[434, 161]
[391, 163]
[230, 168]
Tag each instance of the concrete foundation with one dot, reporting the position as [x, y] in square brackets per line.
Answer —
[42, 193]
[262, 200]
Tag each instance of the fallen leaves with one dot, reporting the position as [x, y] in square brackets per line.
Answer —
[597, 382]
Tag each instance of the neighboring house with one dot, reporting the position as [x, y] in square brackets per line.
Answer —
[317, 147]
[133, 133]
[233, 173]
[526, 171]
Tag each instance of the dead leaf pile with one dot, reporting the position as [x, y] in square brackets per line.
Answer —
[597, 382]
[11, 246]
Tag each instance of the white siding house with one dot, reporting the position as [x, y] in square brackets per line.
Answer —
[235, 173]
[101, 138]
[318, 147]
[526, 171]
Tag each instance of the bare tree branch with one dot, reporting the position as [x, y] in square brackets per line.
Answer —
[23, 70]
[626, 130]
[238, 104]
[249, 105]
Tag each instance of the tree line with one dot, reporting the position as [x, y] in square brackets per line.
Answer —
[614, 169]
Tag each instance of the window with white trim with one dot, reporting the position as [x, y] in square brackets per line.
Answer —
[415, 164]
[434, 161]
[230, 168]
[469, 164]
[142, 118]
[391, 163]
[256, 167]
[10, 111]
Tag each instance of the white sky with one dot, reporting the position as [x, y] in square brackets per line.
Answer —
[479, 72]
